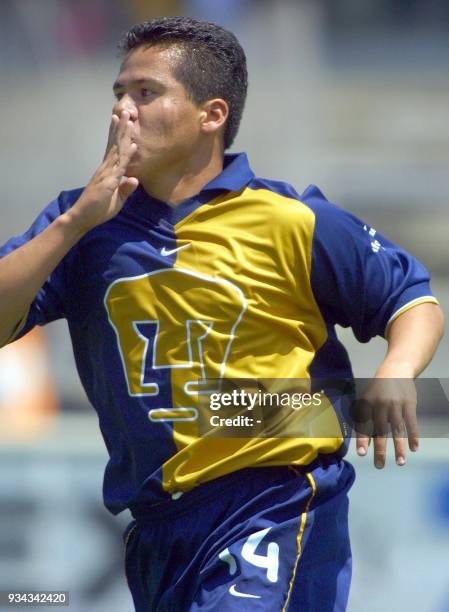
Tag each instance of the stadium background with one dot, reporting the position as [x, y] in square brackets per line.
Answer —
[351, 95]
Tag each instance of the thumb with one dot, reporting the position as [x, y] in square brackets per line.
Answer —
[127, 186]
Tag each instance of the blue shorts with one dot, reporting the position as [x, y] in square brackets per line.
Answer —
[261, 539]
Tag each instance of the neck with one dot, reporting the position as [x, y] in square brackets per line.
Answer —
[184, 179]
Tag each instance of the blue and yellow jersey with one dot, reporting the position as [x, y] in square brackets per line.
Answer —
[246, 280]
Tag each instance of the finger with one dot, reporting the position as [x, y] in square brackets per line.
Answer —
[122, 127]
[380, 435]
[123, 148]
[119, 137]
[411, 423]
[380, 450]
[125, 156]
[361, 416]
[112, 134]
[127, 187]
[126, 149]
[362, 443]
[398, 431]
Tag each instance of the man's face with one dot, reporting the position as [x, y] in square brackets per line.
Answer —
[166, 123]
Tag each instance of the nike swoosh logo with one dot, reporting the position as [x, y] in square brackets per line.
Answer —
[165, 251]
[233, 591]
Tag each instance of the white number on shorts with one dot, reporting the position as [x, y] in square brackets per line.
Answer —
[270, 561]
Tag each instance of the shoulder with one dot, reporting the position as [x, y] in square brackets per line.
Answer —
[280, 196]
[60, 204]
[315, 199]
[281, 192]
[67, 198]
[311, 204]
[332, 222]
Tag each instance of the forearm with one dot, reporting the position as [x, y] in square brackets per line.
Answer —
[25, 270]
[412, 341]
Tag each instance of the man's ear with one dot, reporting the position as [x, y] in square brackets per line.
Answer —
[213, 116]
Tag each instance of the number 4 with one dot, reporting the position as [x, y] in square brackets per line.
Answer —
[270, 561]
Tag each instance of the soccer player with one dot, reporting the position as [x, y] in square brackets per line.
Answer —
[176, 265]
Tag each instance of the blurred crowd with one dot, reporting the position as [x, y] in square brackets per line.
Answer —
[34, 33]
[37, 33]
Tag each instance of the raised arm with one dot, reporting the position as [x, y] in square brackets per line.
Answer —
[412, 338]
[24, 271]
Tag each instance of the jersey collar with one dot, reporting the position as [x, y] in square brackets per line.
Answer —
[235, 176]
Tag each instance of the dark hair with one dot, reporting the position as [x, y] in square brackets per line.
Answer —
[213, 63]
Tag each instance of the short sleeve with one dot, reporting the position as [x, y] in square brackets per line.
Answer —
[49, 304]
[360, 279]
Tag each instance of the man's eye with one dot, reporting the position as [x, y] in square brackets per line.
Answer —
[145, 92]
[118, 95]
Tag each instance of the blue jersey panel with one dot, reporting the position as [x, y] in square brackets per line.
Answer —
[359, 277]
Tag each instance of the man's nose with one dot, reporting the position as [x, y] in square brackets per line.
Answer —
[125, 103]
